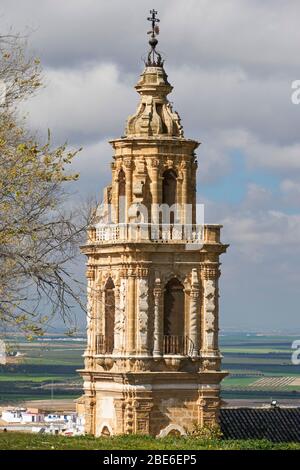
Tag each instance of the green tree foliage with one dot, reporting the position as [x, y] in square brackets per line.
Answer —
[38, 237]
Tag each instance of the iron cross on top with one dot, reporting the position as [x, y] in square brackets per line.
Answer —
[153, 19]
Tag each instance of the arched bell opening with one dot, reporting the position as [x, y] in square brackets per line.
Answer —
[169, 189]
[175, 340]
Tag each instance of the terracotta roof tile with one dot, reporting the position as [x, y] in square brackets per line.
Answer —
[275, 424]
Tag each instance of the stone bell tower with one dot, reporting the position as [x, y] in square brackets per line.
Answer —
[152, 362]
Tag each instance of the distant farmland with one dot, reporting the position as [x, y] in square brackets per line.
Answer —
[47, 370]
[259, 366]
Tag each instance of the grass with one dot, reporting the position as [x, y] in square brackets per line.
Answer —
[26, 441]
[230, 382]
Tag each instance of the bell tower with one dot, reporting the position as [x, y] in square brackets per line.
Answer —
[152, 362]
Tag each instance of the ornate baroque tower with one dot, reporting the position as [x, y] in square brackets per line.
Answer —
[152, 363]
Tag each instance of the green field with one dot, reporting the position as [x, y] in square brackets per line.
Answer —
[47, 370]
[259, 365]
[24, 441]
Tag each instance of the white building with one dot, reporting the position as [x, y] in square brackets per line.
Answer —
[56, 417]
[22, 415]
[13, 415]
[54, 423]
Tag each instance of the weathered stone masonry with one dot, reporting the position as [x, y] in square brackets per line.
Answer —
[152, 362]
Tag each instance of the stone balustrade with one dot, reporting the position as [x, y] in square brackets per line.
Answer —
[110, 233]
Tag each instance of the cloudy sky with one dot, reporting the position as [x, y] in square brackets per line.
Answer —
[232, 63]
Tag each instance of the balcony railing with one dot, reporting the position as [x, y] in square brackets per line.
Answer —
[177, 345]
[104, 345]
[172, 344]
[143, 232]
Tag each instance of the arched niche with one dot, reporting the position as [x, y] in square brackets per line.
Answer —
[169, 185]
[109, 322]
[174, 307]
[174, 317]
[106, 430]
[169, 191]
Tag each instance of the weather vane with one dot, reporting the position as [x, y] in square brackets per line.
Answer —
[154, 57]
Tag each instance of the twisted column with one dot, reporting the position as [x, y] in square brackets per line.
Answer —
[90, 274]
[158, 329]
[117, 332]
[131, 312]
[194, 313]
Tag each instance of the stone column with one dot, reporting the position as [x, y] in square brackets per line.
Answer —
[90, 410]
[184, 191]
[117, 318]
[186, 211]
[120, 309]
[99, 312]
[119, 409]
[102, 324]
[194, 194]
[195, 313]
[90, 274]
[158, 319]
[115, 194]
[210, 276]
[128, 185]
[154, 191]
[131, 313]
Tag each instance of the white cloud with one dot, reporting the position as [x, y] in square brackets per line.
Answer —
[255, 34]
[83, 104]
[290, 190]
[257, 197]
[269, 228]
[259, 153]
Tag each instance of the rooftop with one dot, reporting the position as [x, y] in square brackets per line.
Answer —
[274, 423]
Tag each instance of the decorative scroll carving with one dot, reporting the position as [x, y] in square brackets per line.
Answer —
[90, 273]
[155, 163]
[143, 312]
[127, 162]
[210, 291]
[210, 271]
[142, 408]
[154, 115]
[208, 408]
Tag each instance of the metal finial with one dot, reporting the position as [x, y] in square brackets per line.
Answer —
[154, 57]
